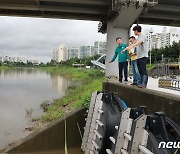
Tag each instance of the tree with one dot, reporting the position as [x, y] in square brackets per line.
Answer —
[171, 52]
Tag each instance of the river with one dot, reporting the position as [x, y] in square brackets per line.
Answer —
[21, 93]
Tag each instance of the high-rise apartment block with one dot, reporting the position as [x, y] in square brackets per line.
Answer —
[55, 54]
[34, 62]
[165, 38]
[13, 59]
[4, 58]
[149, 39]
[73, 52]
[158, 42]
[174, 35]
[100, 48]
[1, 58]
[85, 51]
[161, 40]
[61, 53]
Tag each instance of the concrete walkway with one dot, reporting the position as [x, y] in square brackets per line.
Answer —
[152, 84]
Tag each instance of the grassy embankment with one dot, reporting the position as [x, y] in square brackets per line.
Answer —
[4, 67]
[90, 80]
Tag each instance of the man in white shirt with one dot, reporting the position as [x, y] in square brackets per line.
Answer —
[142, 53]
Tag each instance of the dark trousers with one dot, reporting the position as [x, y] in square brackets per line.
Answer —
[141, 63]
[123, 66]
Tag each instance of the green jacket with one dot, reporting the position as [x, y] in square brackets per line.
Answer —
[122, 57]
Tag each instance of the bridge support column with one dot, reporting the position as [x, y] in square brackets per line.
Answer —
[119, 26]
[112, 34]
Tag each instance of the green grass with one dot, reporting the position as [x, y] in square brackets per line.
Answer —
[75, 73]
[4, 67]
[149, 67]
[90, 80]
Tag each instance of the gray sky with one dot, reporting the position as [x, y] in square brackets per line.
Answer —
[37, 37]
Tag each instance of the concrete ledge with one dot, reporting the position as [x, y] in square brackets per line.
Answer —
[53, 135]
[154, 100]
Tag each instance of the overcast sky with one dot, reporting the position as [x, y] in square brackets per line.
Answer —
[37, 37]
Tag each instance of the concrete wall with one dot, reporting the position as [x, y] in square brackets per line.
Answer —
[154, 100]
[53, 136]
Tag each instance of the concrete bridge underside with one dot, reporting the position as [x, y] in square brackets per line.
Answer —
[66, 9]
[167, 12]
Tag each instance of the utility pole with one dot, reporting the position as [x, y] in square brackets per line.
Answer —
[151, 31]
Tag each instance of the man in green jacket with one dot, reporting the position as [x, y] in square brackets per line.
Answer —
[123, 58]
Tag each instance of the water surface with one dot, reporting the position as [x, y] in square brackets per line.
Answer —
[21, 92]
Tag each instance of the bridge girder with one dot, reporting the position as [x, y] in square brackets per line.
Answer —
[67, 9]
[167, 12]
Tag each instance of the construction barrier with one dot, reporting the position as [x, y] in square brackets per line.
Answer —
[169, 83]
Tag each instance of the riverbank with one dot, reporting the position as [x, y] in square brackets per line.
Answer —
[88, 80]
[5, 67]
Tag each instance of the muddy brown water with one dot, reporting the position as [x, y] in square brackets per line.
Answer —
[21, 92]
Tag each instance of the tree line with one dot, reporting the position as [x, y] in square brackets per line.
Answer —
[69, 62]
[170, 53]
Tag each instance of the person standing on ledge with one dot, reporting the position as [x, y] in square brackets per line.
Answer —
[122, 59]
[142, 53]
[133, 55]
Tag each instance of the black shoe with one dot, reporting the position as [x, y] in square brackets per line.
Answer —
[134, 84]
